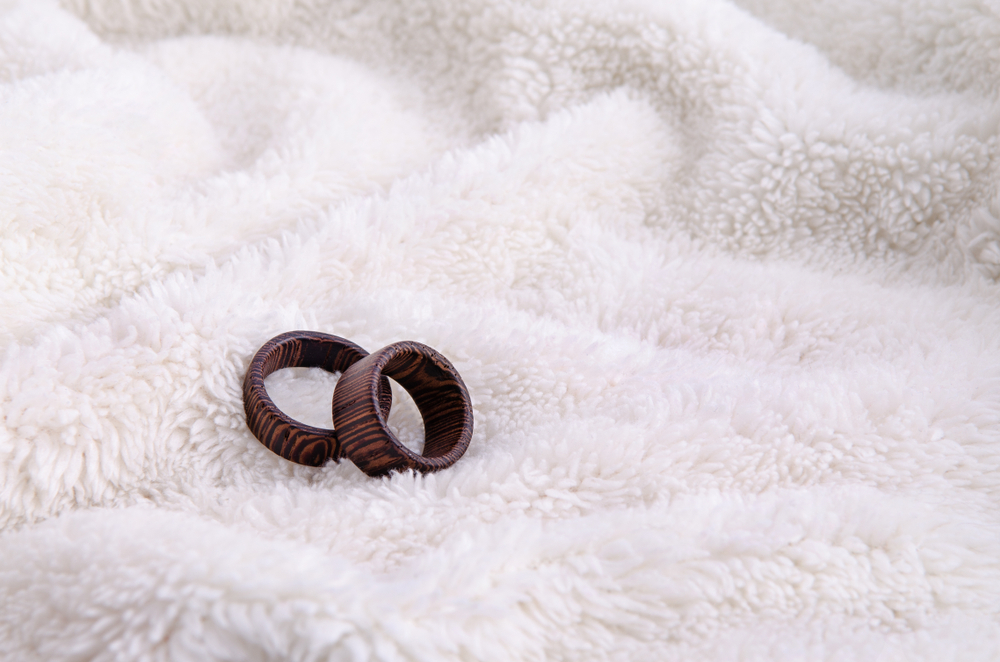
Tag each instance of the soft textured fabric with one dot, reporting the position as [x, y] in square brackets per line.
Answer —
[721, 277]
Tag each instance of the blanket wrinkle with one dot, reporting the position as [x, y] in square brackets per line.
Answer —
[720, 276]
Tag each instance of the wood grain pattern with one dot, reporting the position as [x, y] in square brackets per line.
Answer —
[282, 434]
[436, 388]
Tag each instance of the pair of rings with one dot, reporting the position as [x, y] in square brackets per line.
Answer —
[361, 403]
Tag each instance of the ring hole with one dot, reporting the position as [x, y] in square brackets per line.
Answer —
[405, 421]
[304, 394]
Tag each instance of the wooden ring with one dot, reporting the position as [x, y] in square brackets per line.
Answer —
[436, 388]
[281, 433]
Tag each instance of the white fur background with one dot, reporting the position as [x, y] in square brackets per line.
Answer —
[721, 278]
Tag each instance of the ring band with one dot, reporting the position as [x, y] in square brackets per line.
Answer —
[282, 434]
[436, 388]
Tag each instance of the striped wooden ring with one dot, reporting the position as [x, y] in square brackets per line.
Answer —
[281, 433]
[436, 388]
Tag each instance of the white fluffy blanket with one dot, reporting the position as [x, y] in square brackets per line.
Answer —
[721, 277]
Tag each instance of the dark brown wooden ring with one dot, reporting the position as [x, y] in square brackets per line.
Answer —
[282, 434]
[436, 388]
